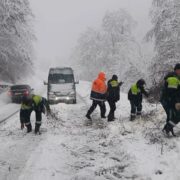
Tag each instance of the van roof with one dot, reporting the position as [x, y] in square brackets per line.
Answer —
[61, 70]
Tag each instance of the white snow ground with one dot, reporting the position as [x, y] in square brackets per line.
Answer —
[71, 149]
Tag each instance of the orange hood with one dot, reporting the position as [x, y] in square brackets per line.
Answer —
[102, 76]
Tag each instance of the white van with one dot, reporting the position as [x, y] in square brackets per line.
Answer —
[61, 85]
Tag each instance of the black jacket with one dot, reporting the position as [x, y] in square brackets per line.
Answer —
[113, 91]
[169, 94]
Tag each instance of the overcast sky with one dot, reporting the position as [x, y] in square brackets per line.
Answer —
[58, 23]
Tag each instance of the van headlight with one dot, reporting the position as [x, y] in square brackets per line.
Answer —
[51, 95]
[72, 93]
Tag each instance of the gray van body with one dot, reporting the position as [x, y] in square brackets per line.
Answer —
[61, 85]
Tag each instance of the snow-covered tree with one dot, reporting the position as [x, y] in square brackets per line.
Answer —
[112, 48]
[16, 37]
[165, 15]
[118, 25]
[165, 33]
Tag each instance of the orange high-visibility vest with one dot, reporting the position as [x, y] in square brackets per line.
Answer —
[99, 84]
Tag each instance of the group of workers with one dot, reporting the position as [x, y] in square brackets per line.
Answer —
[170, 97]
[111, 93]
[170, 100]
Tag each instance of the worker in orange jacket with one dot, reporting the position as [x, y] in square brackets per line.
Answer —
[98, 95]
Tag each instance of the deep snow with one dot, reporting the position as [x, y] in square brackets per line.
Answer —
[70, 149]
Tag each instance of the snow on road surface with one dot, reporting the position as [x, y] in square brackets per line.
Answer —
[71, 149]
[7, 108]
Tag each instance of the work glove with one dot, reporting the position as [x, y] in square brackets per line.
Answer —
[121, 83]
[22, 126]
[48, 112]
[169, 128]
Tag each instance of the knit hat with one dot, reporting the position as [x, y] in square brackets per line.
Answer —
[177, 66]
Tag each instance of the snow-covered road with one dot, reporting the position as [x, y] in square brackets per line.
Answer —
[7, 108]
[69, 149]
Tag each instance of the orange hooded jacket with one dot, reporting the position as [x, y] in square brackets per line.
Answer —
[99, 88]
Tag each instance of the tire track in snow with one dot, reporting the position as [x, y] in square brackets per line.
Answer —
[16, 147]
[9, 116]
[99, 140]
[15, 156]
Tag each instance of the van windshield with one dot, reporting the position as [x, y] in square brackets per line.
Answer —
[60, 78]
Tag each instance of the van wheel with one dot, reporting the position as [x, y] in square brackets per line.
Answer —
[74, 101]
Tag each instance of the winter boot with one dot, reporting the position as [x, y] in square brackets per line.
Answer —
[111, 117]
[29, 128]
[110, 120]
[172, 132]
[139, 113]
[132, 118]
[37, 127]
[88, 116]
[168, 128]
[165, 129]
[103, 117]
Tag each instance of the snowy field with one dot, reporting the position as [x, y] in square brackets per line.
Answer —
[71, 149]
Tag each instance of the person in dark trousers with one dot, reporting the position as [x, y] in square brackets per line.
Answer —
[170, 89]
[174, 118]
[113, 95]
[25, 113]
[135, 96]
[98, 95]
[39, 105]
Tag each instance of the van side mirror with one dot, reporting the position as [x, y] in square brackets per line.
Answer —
[32, 90]
[77, 82]
[45, 83]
